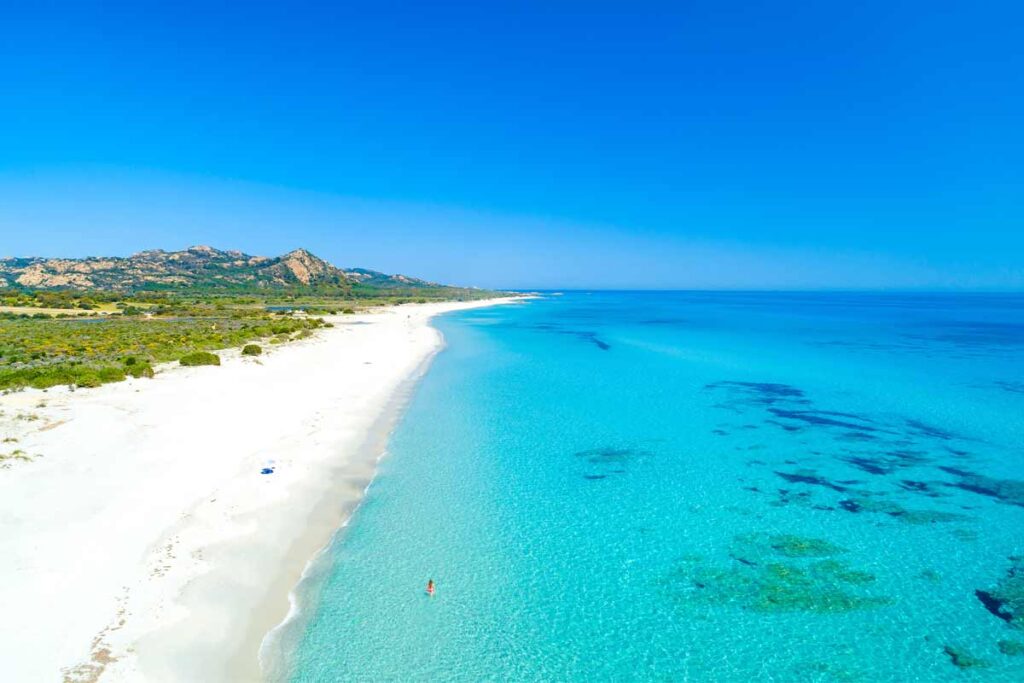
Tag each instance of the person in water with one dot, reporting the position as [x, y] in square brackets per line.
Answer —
[430, 587]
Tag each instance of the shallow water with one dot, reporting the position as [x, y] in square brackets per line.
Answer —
[683, 486]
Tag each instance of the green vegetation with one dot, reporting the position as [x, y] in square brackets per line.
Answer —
[13, 455]
[199, 358]
[48, 352]
[152, 279]
[252, 350]
[137, 368]
[17, 303]
[121, 316]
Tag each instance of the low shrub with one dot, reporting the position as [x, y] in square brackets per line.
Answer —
[136, 367]
[140, 370]
[39, 378]
[200, 358]
[88, 379]
[111, 374]
[252, 350]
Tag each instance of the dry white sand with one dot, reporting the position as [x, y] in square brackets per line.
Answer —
[142, 543]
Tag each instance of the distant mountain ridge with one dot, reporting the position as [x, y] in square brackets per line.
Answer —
[200, 266]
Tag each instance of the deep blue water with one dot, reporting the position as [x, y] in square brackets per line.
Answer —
[693, 486]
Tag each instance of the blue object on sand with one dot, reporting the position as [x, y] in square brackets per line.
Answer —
[267, 470]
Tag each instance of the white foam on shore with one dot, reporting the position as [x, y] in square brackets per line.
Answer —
[274, 649]
[141, 542]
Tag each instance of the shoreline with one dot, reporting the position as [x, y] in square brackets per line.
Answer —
[276, 624]
[326, 523]
[146, 523]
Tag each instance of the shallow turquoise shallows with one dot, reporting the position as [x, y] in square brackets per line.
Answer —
[682, 486]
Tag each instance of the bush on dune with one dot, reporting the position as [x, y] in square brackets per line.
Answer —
[111, 374]
[85, 376]
[200, 358]
[252, 350]
[140, 370]
[88, 380]
[135, 367]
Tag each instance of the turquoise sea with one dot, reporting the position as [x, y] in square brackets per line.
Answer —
[616, 486]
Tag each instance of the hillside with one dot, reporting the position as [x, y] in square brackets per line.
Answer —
[198, 266]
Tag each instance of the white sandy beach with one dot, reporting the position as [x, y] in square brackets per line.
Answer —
[142, 542]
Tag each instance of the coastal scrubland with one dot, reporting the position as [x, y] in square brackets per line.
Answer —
[86, 338]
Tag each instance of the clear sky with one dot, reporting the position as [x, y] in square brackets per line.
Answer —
[528, 144]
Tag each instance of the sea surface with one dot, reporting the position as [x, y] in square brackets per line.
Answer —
[616, 486]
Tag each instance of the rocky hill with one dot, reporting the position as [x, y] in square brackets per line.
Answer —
[198, 266]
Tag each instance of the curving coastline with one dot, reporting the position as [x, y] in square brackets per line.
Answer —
[146, 521]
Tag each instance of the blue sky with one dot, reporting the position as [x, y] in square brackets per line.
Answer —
[556, 144]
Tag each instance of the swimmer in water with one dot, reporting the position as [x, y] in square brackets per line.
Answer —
[430, 587]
